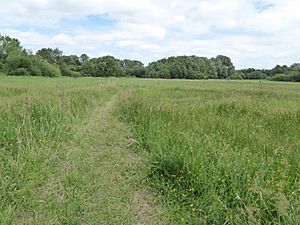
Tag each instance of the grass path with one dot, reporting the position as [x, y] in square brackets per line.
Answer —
[106, 174]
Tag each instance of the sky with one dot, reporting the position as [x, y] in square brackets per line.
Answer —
[253, 33]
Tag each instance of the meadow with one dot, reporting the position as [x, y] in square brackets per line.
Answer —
[212, 152]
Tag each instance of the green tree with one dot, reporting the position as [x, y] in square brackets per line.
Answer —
[279, 69]
[17, 64]
[105, 66]
[224, 67]
[8, 47]
[256, 75]
[133, 68]
[84, 58]
[52, 56]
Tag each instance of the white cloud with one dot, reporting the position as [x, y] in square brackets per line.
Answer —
[253, 33]
[63, 39]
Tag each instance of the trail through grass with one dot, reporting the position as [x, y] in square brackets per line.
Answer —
[64, 156]
[88, 151]
[110, 172]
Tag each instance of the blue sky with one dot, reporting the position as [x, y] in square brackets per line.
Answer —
[254, 33]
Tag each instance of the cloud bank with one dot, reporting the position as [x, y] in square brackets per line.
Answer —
[254, 33]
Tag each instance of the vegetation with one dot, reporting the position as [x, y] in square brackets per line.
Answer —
[221, 153]
[278, 73]
[215, 152]
[15, 60]
[62, 154]
[35, 122]
[191, 67]
[293, 76]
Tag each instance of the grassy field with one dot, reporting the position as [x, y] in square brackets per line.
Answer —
[87, 151]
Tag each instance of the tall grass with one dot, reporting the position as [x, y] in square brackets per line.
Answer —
[219, 152]
[221, 156]
[33, 130]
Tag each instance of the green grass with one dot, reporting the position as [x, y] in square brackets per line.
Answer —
[64, 158]
[86, 150]
[37, 117]
[221, 152]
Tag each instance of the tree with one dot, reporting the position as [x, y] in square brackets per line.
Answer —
[52, 56]
[295, 67]
[8, 47]
[84, 58]
[191, 67]
[224, 67]
[18, 64]
[279, 69]
[103, 67]
[256, 75]
[133, 68]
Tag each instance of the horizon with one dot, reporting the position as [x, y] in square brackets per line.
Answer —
[254, 34]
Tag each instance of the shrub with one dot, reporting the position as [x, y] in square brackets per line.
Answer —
[1, 66]
[67, 71]
[40, 67]
[75, 74]
[293, 77]
[35, 69]
[236, 76]
[18, 64]
[24, 65]
[49, 70]
[21, 72]
[280, 77]
[256, 75]
[196, 75]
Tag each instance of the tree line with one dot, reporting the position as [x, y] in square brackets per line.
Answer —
[278, 73]
[18, 61]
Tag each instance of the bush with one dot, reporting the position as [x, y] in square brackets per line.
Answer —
[293, 77]
[136, 72]
[40, 67]
[256, 75]
[75, 74]
[21, 72]
[18, 64]
[1, 66]
[67, 71]
[280, 77]
[35, 69]
[24, 65]
[49, 70]
[196, 75]
[236, 76]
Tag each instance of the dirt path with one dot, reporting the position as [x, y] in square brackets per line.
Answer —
[111, 170]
